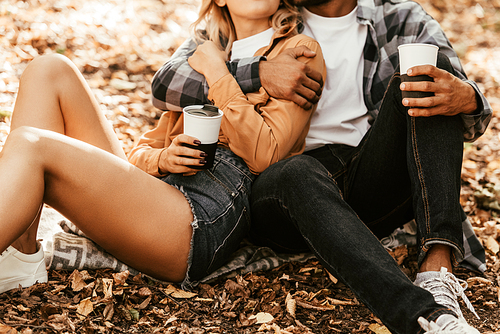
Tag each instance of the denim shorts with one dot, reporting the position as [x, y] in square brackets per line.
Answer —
[219, 199]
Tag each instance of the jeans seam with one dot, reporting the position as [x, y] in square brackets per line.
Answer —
[347, 169]
[420, 175]
[225, 239]
[343, 170]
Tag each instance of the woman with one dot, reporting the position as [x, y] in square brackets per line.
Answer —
[62, 152]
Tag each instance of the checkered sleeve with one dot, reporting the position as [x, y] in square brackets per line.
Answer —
[176, 85]
[474, 124]
[246, 73]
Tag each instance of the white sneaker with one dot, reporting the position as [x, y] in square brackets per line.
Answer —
[17, 268]
[447, 324]
[445, 288]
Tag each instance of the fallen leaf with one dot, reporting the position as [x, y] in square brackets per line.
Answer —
[144, 292]
[121, 277]
[399, 254]
[108, 312]
[4, 329]
[236, 289]
[77, 282]
[107, 287]
[379, 329]
[170, 320]
[85, 307]
[477, 280]
[134, 313]
[48, 309]
[332, 278]
[492, 245]
[178, 293]
[272, 327]
[290, 305]
[312, 306]
[262, 318]
[145, 303]
[285, 277]
[334, 301]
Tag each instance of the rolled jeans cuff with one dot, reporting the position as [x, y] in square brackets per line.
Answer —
[457, 254]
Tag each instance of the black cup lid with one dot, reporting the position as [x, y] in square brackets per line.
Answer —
[207, 110]
[211, 110]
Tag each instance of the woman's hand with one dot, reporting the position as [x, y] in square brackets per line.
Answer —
[177, 158]
[210, 61]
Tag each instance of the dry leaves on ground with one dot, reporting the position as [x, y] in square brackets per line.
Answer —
[118, 46]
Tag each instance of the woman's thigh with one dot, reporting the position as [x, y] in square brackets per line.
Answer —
[139, 219]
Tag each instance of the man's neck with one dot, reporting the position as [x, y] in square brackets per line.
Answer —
[335, 8]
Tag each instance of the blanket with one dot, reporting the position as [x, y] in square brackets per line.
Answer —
[67, 248]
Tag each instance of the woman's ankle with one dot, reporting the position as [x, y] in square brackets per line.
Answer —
[26, 245]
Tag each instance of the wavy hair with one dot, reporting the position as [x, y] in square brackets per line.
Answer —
[219, 27]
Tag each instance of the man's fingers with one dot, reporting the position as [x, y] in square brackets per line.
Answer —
[301, 101]
[310, 95]
[429, 70]
[423, 102]
[316, 83]
[419, 86]
[300, 51]
[426, 112]
[418, 112]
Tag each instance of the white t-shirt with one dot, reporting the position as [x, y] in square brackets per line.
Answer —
[341, 116]
[247, 47]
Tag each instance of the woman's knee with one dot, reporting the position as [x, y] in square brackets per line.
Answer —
[48, 69]
[24, 139]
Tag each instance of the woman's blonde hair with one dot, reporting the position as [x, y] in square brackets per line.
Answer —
[219, 27]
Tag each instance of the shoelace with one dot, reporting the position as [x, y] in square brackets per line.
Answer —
[456, 327]
[448, 297]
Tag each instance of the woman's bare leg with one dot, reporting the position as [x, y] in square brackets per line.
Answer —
[141, 220]
[53, 95]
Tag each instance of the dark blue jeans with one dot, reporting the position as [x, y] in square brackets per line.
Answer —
[336, 201]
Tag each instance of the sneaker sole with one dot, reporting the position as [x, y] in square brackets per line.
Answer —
[24, 282]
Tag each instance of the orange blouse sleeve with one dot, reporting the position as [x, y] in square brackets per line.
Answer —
[146, 154]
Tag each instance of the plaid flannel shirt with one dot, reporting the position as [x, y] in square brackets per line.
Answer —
[390, 23]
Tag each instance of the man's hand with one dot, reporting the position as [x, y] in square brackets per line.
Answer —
[210, 61]
[285, 77]
[452, 95]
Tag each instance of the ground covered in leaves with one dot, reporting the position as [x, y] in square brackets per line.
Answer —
[119, 45]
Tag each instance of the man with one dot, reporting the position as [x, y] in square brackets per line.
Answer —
[373, 160]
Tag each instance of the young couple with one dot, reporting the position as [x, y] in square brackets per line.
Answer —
[369, 165]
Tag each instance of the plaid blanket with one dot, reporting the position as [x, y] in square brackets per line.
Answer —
[67, 248]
